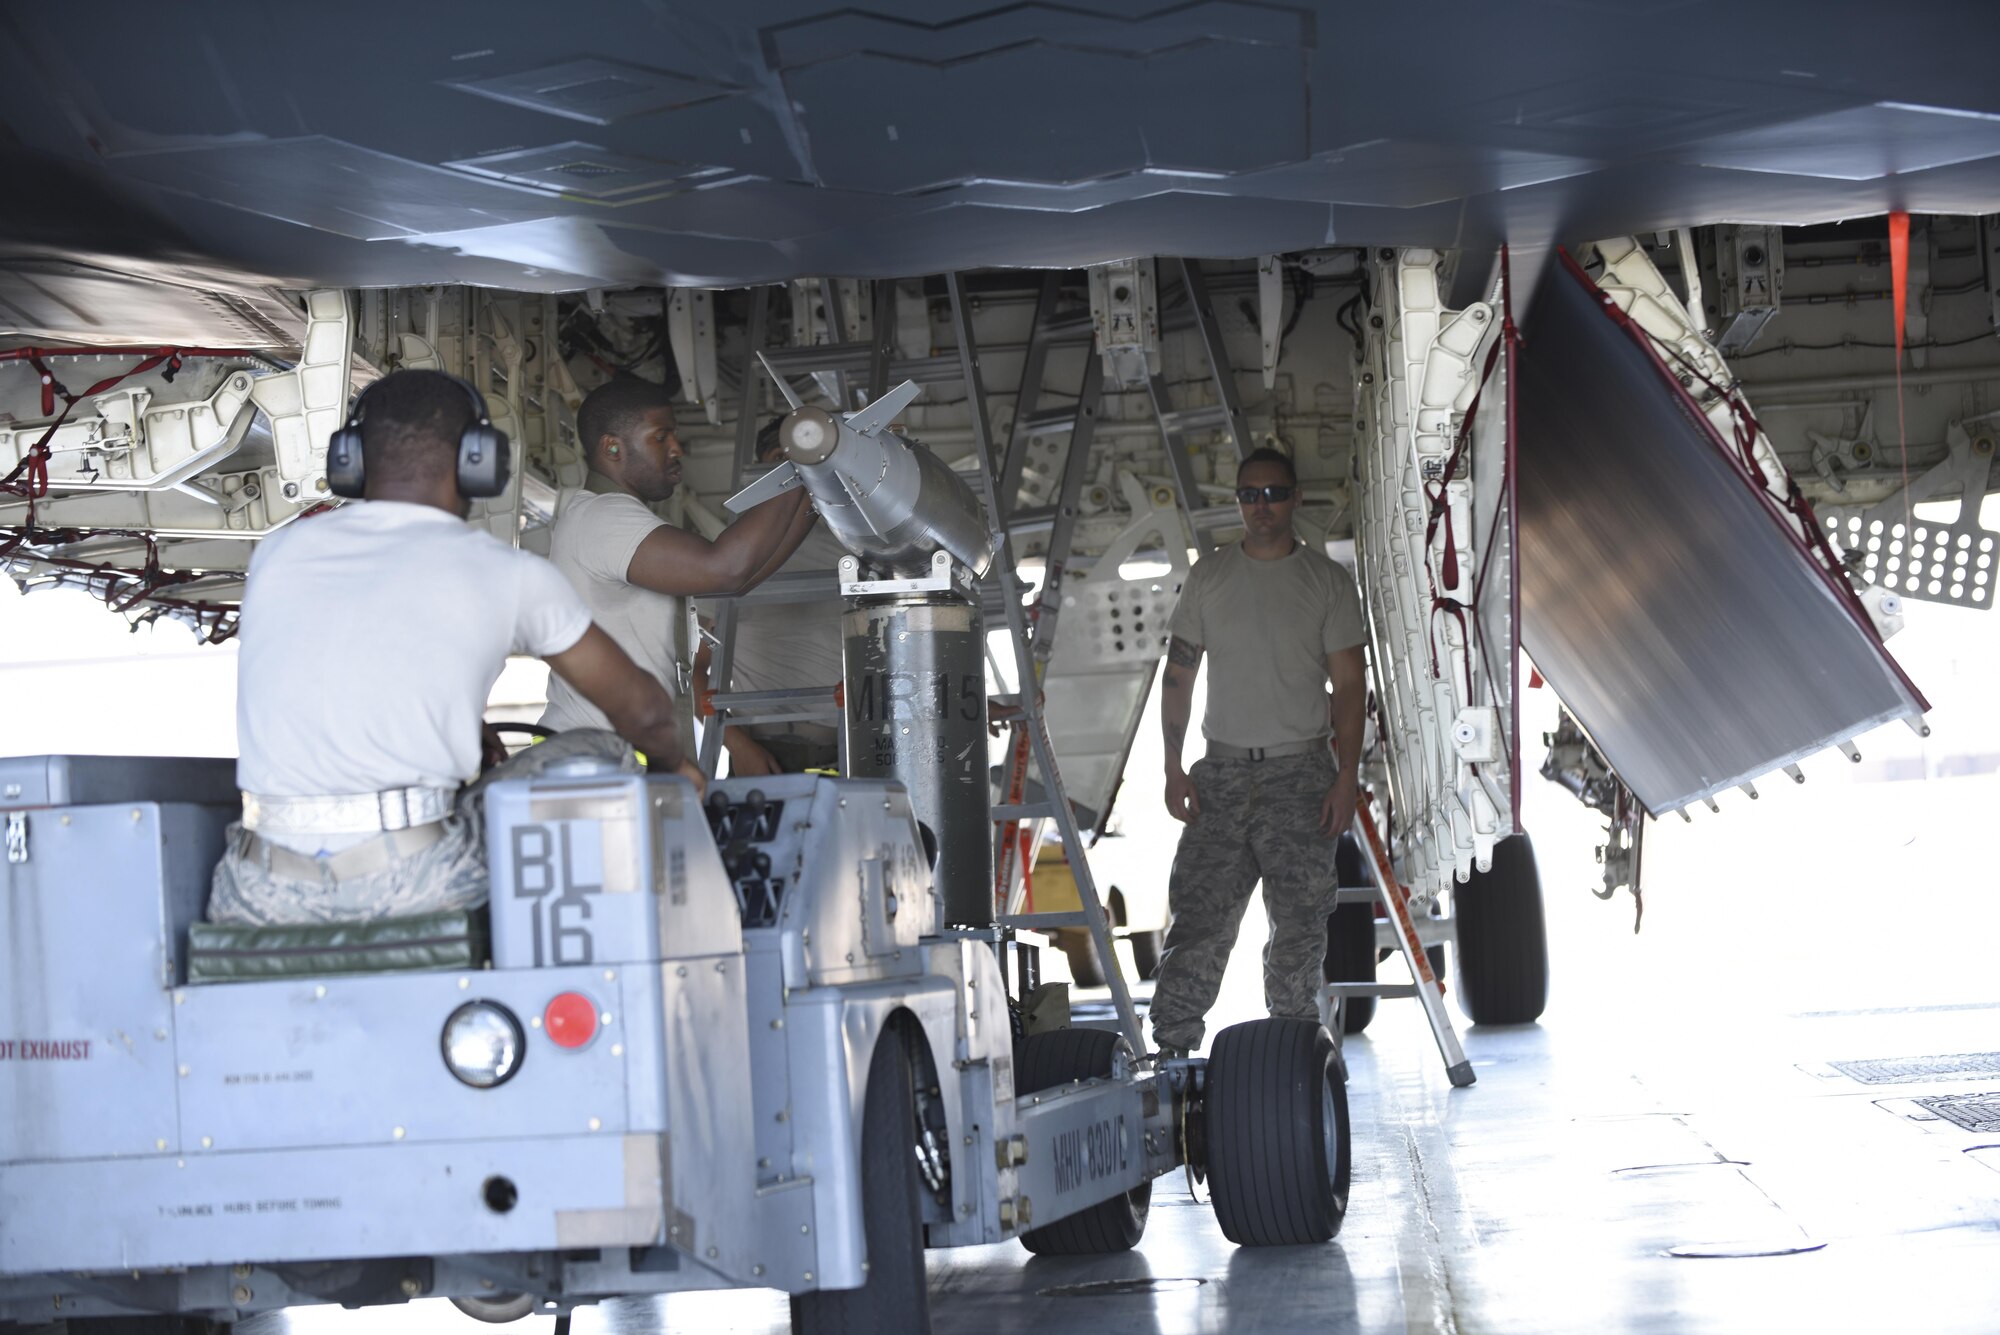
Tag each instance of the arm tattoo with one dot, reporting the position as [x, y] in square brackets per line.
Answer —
[1182, 654]
[1176, 737]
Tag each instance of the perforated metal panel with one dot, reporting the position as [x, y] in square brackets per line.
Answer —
[1908, 1070]
[1938, 563]
[1113, 631]
[1975, 1112]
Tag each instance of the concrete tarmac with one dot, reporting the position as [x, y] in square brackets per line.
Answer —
[1671, 1149]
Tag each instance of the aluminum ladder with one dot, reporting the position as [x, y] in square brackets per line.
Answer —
[1392, 895]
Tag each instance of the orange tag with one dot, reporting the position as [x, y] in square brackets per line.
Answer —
[1899, 270]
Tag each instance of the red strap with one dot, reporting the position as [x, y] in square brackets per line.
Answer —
[1440, 516]
[1440, 505]
[1899, 283]
[35, 465]
[49, 385]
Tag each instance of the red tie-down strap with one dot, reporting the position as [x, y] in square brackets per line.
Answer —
[30, 478]
[1440, 516]
[122, 588]
[1440, 508]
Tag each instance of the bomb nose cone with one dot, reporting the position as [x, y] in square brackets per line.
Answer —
[809, 436]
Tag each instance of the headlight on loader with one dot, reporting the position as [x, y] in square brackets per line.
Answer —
[482, 1044]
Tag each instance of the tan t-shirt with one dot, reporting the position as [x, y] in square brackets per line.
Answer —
[592, 544]
[1267, 627]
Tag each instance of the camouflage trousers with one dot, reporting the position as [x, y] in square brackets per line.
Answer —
[446, 875]
[1259, 821]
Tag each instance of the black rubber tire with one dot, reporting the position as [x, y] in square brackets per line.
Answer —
[895, 1300]
[1350, 958]
[1350, 937]
[1272, 1086]
[1054, 1058]
[1081, 950]
[1146, 948]
[1503, 945]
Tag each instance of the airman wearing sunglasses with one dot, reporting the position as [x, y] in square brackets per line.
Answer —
[1279, 621]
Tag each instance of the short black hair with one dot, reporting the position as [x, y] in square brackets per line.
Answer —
[1267, 455]
[615, 407]
[410, 425]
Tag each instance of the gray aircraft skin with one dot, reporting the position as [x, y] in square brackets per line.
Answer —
[541, 148]
[179, 175]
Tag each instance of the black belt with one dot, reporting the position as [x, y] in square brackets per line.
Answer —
[1224, 751]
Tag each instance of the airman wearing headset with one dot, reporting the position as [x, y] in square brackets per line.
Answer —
[371, 637]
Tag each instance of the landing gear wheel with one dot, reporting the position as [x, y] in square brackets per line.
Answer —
[1055, 1058]
[894, 1300]
[1146, 951]
[1279, 1149]
[1503, 947]
[1350, 938]
[1350, 958]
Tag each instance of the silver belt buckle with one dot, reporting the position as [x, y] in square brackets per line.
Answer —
[346, 813]
[407, 808]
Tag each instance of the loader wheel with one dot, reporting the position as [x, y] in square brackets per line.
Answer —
[1503, 947]
[1081, 950]
[1055, 1058]
[1146, 951]
[1279, 1154]
[497, 1309]
[894, 1300]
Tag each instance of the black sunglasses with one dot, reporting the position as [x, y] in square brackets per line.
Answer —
[1276, 491]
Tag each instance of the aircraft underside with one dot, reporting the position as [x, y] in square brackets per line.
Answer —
[1579, 470]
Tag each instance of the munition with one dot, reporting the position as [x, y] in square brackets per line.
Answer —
[886, 499]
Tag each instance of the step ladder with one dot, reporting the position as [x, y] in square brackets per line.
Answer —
[1054, 803]
[1016, 841]
[1394, 897]
[1000, 594]
[854, 369]
[1178, 425]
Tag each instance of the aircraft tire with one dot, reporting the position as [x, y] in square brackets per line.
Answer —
[1503, 945]
[1080, 949]
[1279, 1148]
[1350, 958]
[1350, 938]
[895, 1299]
[1054, 1058]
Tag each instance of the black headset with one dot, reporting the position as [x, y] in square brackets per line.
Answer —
[482, 450]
